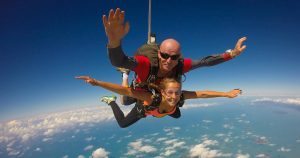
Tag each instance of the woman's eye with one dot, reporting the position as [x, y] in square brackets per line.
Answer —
[176, 93]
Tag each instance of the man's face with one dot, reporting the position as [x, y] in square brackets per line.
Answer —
[168, 59]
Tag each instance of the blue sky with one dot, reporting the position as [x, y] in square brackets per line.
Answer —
[44, 44]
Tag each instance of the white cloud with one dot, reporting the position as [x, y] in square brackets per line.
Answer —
[128, 136]
[227, 140]
[242, 155]
[178, 144]
[90, 147]
[227, 126]
[169, 152]
[175, 145]
[167, 129]
[37, 149]
[168, 142]
[290, 101]
[90, 139]
[170, 133]
[138, 147]
[80, 156]
[243, 115]
[203, 151]
[147, 149]
[172, 144]
[161, 139]
[46, 139]
[210, 142]
[154, 134]
[46, 126]
[262, 156]
[261, 140]
[188, 106]
[220, 135]
[100, 153]
[176, 128]
[206, 121]
[12, 152]
[283, 149]
[49, 132]
[66, 156]
[271, 144]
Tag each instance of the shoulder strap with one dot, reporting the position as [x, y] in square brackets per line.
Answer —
[150, 51]
[156, 99]
[181, 101]
[179, 70]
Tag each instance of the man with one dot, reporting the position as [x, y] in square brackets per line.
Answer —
[168, 54]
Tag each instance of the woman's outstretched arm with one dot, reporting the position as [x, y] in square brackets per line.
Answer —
[141, 95]
[210, 94]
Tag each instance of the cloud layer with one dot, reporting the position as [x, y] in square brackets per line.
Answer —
[290, 101]
[44, 127]
[100, 153]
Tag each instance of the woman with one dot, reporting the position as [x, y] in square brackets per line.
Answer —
[166, 102]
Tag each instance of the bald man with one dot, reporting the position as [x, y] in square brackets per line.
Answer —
[169, 53]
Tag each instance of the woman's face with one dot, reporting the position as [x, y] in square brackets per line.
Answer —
[172, 93]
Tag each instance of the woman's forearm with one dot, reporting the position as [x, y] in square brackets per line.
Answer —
[145, 96]
[203, 94]
[210, 94]
[114, 87]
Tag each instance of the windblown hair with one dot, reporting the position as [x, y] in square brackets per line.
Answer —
[163, 84]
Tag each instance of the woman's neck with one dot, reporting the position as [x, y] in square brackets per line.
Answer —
[164, 106]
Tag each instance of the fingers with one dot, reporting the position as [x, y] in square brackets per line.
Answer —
[122, 17]
[114, 17]
[111, 15]
[117, 14]
[82, 77]
[240, 42]
[243, 48]
[127, 26]
[237, 91]
[104, 20]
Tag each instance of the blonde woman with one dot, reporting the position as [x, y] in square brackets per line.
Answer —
[166, 101]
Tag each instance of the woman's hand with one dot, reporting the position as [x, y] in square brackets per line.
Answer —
[234, 93]
[88, 79]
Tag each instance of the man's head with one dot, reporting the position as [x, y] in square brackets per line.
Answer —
[168, 54]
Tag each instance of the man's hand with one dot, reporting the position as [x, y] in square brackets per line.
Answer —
[115, 28]
[88, 79]
[238, 47]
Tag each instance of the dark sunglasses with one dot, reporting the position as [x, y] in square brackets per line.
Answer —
[167, 56]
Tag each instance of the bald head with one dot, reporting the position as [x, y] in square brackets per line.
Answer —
[170, 45]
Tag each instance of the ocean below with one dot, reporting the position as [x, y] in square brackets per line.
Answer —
[243, 128]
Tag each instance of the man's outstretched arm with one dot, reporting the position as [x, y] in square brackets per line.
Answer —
[217, 59]
[116, 29]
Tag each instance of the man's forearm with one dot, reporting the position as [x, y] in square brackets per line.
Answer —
[210, 60]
